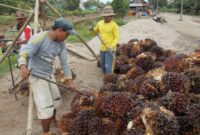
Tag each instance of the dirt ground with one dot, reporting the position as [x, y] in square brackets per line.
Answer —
[181, 36]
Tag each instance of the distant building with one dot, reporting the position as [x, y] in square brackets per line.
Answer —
[136, 6]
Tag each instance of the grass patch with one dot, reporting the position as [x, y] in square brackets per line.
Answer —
[4, 66]
[83, 30]
[6, 20]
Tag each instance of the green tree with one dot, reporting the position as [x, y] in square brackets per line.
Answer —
[120, 7]
[24, 4]
[197, 7]
[190, 6]
[71, 4]
[161, 3]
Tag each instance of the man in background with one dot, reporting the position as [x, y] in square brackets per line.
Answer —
[108, 32]
[27, 32]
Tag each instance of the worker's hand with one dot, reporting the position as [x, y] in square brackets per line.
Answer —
[69, 83]
[24, 71]
[110, 49]
[18, 43]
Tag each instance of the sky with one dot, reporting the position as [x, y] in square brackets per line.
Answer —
[105, 1]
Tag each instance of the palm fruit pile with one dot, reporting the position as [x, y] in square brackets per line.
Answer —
[152, 91]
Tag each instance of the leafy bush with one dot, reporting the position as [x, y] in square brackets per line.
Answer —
[16, 3]
[120, 7]
[120, 21]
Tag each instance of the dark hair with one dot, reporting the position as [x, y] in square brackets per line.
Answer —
[62, 23]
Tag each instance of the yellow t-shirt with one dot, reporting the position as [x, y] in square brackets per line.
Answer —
[109, 33]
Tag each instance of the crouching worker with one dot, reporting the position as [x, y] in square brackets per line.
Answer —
[42, 50]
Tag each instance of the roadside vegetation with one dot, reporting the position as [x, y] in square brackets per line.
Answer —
[4, 66]
[6, 19]
[191, 7]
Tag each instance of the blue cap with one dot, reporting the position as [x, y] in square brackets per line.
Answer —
[65, 24]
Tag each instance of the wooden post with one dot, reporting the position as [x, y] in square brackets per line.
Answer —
[42, 4]
[181, 15]
[36, 16]
[16, 38]
[157, 6]
[30, 113]
[30, 105]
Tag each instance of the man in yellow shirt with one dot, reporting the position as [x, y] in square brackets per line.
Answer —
[108, 31]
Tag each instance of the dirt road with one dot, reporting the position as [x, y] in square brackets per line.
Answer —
[180, 36]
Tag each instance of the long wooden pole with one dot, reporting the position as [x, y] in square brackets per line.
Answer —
[42, 14]
[105, 45]
[77, 35]
[52, 8]
[16, 38]
[59, 84]
[30, 113]
[90, 49]
[28, 11]
[30, 107]
[36, 17]
[11, 73]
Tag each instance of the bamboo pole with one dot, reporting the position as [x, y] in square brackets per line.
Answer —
[16, 38]
[42, 14]
[36, 16]
[52, 8]
[60, 84]
[90, 49]
[28, 11]
[30, 107]
[11, 73]
[30, 113]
